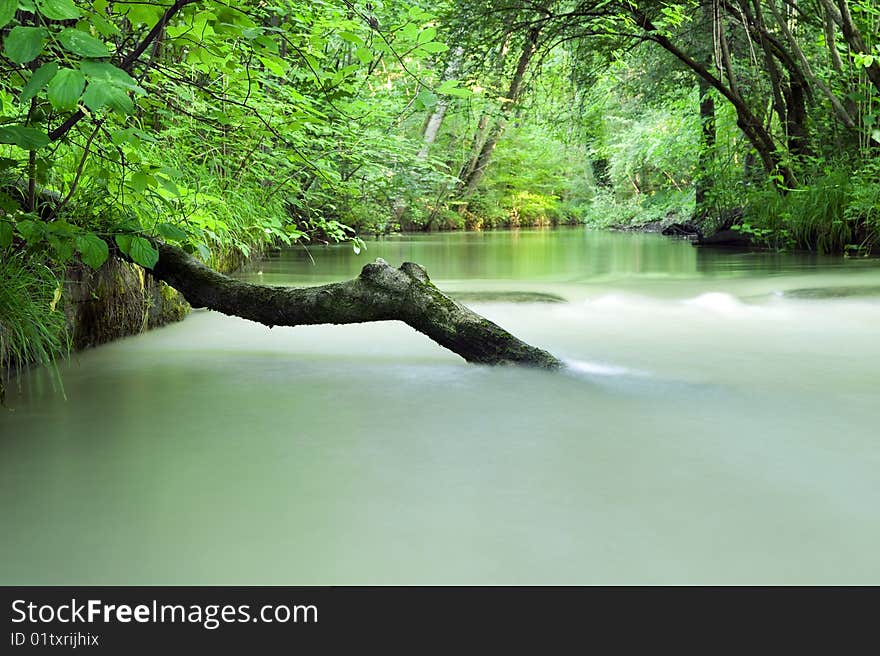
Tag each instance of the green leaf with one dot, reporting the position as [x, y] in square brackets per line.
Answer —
[26, 138]
[426, 99]
[434, 47]
[5, 234]
[364, 54]
[62, 247]
[32, 232]
[351, 38]
[66, 88]
[82, 43]
[146, 14]
[138, 249]
[7, 11]
[23, 44]
[143, 252]
[451, 88]
[38, 80]
[107, 72]
[124, 242]
[427, 35]
[58, 9]
[102, 94]
[140, 181]
[169, 186]
[8, 203]
[172, 232]
[92, 249]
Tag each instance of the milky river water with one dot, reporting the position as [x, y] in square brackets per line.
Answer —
[718, 423]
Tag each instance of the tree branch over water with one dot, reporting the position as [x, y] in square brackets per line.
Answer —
[379, 293]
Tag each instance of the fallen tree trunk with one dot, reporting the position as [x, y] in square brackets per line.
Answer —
[379, 293]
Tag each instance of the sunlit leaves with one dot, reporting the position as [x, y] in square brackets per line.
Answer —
[862, 60]
[433, 47]
[452, 88]
[229, 103]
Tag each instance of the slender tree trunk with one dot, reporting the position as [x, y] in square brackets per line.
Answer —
[707, 116]
[476, 146]
[773, 72]
[433, 128]
[472, 180]
[707, 145]
[435, 122]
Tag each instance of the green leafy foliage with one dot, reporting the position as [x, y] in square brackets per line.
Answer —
[139, 249]
[24, 44]
[38, 81]
[24, 137]
[82, 43]
[7, 11]
[66, 88]
[58, 9]
[92, 249]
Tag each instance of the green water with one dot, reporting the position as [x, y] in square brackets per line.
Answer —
[717, 424]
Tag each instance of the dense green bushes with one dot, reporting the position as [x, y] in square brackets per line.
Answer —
[836, 212]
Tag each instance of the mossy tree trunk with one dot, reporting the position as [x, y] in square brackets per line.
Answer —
[379, 293]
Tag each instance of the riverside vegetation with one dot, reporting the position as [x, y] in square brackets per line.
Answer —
[224, 128]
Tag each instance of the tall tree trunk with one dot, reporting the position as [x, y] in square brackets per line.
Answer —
[704, 180]
[380, 293]
[476, 147]
[472, 180]
[439, 113]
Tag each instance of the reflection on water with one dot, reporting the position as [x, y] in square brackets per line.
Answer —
[714, 426]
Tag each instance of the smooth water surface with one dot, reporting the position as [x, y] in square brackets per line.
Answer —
[718, 423]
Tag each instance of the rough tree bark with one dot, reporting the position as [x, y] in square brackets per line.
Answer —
[379, 293]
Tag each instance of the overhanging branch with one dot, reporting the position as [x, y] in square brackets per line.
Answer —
[379, 293]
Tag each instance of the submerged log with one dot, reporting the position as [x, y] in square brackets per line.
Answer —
[379, 293]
